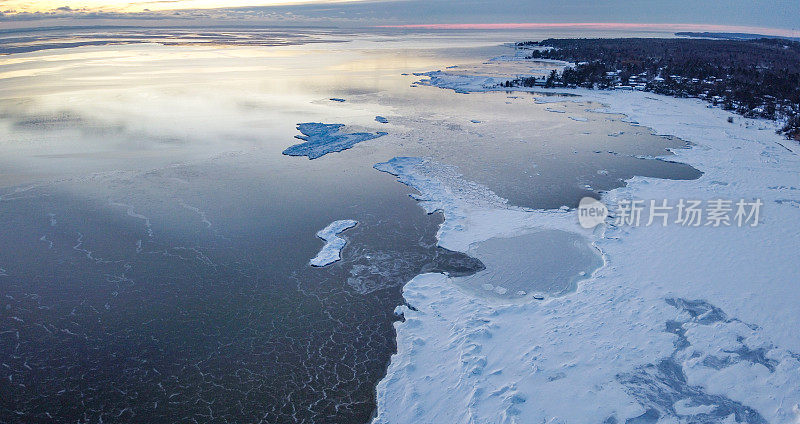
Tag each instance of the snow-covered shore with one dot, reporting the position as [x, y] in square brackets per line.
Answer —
[680, 324]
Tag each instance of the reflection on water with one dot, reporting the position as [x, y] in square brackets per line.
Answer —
[550, 159]
[34, 39]
[155, 247]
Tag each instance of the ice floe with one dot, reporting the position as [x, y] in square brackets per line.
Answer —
[321, 139]
[333, 243]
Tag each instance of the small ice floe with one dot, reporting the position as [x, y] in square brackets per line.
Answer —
[333, 243]
[381, 119]
[602, 172]
[336, 99]
[579, 118]
[321, 139]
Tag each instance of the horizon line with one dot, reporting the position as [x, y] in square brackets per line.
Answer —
[674, 27]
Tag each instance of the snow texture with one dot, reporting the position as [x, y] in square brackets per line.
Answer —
[680, 325]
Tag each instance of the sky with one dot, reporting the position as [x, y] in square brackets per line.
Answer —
[782, 17]
[139, 6]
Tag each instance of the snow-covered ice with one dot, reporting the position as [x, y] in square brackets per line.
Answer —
[333, 243]
[684, 325]
[321, 139]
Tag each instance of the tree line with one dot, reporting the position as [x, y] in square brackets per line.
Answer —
[755, 78]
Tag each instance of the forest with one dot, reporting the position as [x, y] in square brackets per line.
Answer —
[756, 78]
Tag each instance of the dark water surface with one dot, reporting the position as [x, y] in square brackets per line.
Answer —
[184, 293]
[154, 243]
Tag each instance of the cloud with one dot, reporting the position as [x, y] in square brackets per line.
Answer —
[63, 13]
[443, 14]
[133, 6]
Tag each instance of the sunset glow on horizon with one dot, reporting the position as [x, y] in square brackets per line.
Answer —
[414, 14]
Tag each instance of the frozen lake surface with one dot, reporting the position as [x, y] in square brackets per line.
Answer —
[154, 257]
[536, 265]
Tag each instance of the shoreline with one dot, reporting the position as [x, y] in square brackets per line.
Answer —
[455, 350]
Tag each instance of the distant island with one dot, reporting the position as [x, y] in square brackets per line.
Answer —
[756, 78]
